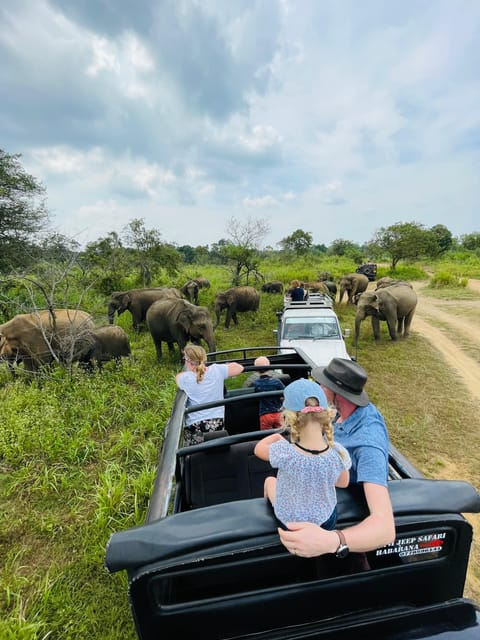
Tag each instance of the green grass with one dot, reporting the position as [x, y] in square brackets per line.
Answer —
[78, 456]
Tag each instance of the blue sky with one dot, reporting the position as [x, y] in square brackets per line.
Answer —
[335, 117]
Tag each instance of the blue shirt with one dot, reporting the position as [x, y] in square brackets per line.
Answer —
[266, 383]
[208, 390]
[364, 435]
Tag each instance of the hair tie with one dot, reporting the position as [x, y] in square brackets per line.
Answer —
[311, 409]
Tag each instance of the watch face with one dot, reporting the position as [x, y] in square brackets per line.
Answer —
[342, 551]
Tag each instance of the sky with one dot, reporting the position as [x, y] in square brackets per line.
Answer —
[335, 117]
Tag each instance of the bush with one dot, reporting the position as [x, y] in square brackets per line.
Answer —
[444, 279]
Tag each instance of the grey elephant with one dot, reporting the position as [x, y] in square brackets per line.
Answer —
[395, 304]
[351, 284]
[177, 320]
[190, 291]
[103, 344]
[137, 301]
[386, 281]
[274, 286]
[235, 300]
[332, 288]
[203, 283]
[41, 337]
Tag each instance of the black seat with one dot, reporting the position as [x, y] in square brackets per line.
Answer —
[224, 471]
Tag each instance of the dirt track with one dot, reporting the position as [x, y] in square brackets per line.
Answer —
[463, 318]
[433, 320]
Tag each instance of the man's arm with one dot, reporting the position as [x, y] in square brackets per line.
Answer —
[376, 530]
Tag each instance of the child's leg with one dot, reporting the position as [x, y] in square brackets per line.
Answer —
[269, 488]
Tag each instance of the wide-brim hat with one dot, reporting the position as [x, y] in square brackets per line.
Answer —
[345, 377]
[295, 394]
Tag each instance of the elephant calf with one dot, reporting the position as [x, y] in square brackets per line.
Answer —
[275, 286]
[105, 343]
[236, 299]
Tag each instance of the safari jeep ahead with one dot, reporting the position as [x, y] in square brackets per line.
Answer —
[208, 562]
[312, 326]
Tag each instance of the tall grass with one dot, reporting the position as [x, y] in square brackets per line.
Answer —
[78, 456]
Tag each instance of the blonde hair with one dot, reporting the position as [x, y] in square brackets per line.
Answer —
[296, 421]
[295, 283]
[197, 356]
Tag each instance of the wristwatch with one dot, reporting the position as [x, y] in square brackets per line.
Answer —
[342, 550]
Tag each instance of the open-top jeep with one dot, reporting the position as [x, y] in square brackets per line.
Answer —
[208, 562]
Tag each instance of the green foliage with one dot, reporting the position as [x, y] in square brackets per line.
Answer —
[444, 279]
[404, 241]
[299, 242]
[22, 213]
[407, 272]
[470, 241]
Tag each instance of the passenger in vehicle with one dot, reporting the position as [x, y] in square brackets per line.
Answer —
[361, 429]
[311, 465]
[296, 292]
[203, 384]
[269, 409]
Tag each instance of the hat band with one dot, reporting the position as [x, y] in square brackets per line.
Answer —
[341, 384]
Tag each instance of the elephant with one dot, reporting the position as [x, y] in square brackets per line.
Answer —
[40, 337]
[190, 291]
[172, 320]
[351, 284]
[203, 283]
[236, 299]
[332, 288]
[137, 302]
[274, 286]
[395, 304]
[325, 275]
[106, 343]
[386, 281]
[316, 287]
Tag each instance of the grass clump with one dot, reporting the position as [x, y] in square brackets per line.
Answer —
[445, 279]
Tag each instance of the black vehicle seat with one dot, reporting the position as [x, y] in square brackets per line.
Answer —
[222, 473]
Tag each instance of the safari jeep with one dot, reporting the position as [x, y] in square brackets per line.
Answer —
[208, 562]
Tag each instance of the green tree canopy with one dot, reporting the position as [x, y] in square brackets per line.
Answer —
[22, 212]
[403, 241]
[443, 237]
[149, 253]
[299, 242]
[470, 241]
[242, 248]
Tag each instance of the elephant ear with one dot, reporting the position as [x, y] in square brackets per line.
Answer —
[127, 299]
[184, 319]
[375, 302]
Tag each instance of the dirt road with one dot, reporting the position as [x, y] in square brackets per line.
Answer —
[453, 327]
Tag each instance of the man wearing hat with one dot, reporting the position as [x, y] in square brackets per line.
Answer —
[361, 429]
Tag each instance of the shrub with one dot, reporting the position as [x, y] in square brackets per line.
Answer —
[445, 279]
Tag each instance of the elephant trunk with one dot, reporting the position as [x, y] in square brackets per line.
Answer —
[358, 319]
[111, 313]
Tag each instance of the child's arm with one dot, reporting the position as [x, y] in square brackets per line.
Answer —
[262, 446]
[343, 479]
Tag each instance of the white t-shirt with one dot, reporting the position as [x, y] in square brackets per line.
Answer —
[208, 390]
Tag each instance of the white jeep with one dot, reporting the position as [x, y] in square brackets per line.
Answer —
[312, 326]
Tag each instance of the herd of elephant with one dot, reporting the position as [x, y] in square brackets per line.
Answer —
[174, 316]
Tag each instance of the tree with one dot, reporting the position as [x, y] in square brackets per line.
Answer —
[403, 241]
[241, 251]
[107, 257]
[149, 253]
[470, 241]
[22, 212]
[443, 238]
[299, 242]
